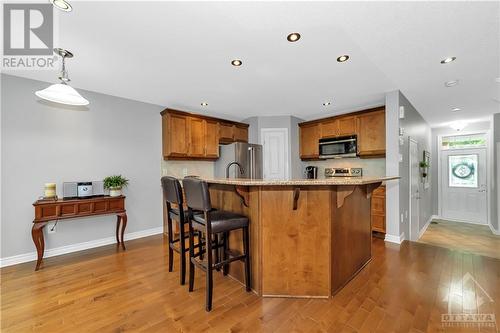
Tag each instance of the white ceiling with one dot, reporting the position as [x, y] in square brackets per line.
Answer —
[178, 54]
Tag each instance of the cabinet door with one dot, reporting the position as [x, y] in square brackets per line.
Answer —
[329, 128]
[226, 132]
[371, 134]
[175, 135]
[309, 141]
[197, 137]
[347, 126]
[378, 223]
[211, 139]
[240, 134]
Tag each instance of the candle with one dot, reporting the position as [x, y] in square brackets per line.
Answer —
[50, 190]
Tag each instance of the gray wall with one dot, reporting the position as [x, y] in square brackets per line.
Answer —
[416, 128]
[473, 127]
[397, 193]
[44, 142]
[495, 197]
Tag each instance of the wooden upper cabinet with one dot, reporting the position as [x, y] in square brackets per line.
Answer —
[211, 139]
[338, 127]
[240, 133]
[347, 126]
[309, 141]
[175, 135]
[329, 128]
[226, 132]
[368, 125]
[371, 134]
[197, 137]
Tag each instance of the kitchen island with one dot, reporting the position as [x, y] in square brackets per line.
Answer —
[308, 238]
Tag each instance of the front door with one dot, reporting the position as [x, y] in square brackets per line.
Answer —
[463, 185]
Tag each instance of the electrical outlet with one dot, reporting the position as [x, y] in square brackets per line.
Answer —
[402, 218]
[400, 158]
[184, 172]
[51, 227]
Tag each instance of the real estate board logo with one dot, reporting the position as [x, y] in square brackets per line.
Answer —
[28, 36]
[470, 299]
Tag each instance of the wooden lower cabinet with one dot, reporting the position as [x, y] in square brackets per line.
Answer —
[378, 210]
[305, 241]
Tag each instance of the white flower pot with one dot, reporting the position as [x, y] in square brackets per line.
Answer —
[115, 191]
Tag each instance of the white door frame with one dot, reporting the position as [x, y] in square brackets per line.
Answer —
[281, 129]
[489, 174]
[409, 193]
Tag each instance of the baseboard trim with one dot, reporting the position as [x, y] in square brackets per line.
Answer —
[31, 256]
[494, 231]
[395, 239]
[424, 228]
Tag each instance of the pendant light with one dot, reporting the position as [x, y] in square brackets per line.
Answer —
[62, 92]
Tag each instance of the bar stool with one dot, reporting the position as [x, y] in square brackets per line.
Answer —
[172, 192]
[211, 223]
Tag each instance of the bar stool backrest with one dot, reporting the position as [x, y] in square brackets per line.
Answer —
[197, 194]
[172, 190]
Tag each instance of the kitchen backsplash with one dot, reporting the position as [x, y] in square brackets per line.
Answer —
[204, 169]
[371, 167]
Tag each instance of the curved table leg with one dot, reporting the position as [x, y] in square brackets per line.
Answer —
[124, 225]
[118, 222]
[37, 235]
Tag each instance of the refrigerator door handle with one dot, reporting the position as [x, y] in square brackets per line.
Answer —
[251, 164]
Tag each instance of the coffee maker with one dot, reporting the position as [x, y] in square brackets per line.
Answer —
[311, 172]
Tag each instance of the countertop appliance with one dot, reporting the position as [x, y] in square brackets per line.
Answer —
[338, 147]
[311, 172]
[343, 172]
[239, 160]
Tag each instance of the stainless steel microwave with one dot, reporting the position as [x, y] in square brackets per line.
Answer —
[339, 147]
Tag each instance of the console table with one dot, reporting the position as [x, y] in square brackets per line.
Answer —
[61, 209]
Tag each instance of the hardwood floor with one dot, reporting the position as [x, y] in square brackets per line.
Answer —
[465, 237]
[403, 289]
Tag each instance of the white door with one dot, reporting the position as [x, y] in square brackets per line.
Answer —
[275, 152]
[463, 185]
[414, 190]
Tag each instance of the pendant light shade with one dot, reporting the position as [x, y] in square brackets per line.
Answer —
[61, 92]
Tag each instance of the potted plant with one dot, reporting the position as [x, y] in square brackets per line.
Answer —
[424, 166]
[115, 184]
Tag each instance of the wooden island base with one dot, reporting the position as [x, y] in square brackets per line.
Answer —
[305, 241]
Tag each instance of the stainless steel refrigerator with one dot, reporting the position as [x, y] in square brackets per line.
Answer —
[247, 155]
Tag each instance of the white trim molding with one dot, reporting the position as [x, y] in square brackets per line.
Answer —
[395, 239]
[424, 228]
[32, 256]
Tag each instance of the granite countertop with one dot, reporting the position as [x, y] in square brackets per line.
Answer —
[300, 182]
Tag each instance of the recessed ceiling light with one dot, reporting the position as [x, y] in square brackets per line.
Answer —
[456, 109]
[327, 103]
[451, 83]
[236, 62]
[62, 5]
[459, 125]
[293, 37]
[448, 60]
[343, 58]
[204, 104]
